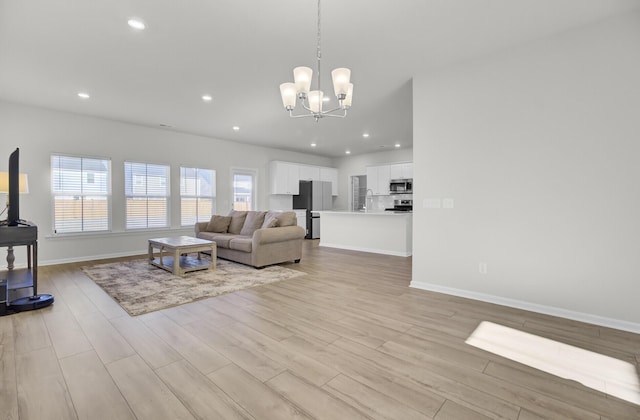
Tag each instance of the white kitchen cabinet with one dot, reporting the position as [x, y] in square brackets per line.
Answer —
[301, 216]
[378, 178]
[309, 173]
[407, 170]
[401, 170]
[285, 177]
[330, 175]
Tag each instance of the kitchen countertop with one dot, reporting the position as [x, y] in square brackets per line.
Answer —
[369, 213]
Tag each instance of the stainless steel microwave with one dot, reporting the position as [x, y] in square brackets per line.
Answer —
[401, 186]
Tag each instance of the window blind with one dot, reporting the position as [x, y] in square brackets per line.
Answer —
[197, 195]
[146, 195]
[81, 190]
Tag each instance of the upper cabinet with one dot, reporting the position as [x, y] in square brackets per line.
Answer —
[309, 173]
[378, 178]
[285, 176]
[331, 175]
[401, 170]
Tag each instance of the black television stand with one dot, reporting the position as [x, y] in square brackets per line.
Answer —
[13, 281]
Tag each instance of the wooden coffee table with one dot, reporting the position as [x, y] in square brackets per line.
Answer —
[173, 254]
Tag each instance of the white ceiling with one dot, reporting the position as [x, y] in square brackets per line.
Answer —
[239, 51]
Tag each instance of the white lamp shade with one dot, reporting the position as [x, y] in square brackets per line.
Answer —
[288, 93]
[341, 78]
[346, 102]
[23, 183]
[302, 79]
[315, 100]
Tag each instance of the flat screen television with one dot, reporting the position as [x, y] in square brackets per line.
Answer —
[13, 215]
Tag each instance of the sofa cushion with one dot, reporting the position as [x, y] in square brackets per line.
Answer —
[207, 235]
[218, 224]
[237, 221]
[252, 222]
[222, 239]
[240, 244]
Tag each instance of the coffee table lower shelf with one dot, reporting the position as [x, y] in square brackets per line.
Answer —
[187, 264]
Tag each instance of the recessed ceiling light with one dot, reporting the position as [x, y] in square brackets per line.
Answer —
[397, 144]
[348, 152]
[326, 99]
[236, 128]
[365, 135]
[207, 98]
[313, 145]
[136, 24]
[84, 95]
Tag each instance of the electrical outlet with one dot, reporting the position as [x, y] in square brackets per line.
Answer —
[482, 268]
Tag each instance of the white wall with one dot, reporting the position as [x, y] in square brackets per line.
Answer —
[349, 166]
[539, 147]
[39, 132]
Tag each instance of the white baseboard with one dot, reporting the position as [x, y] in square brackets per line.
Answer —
[363, 249]
[533, 307]
[93, 257]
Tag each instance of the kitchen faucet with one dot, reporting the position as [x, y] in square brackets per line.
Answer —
[366, 200]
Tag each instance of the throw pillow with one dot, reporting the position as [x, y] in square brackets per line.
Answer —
[252, 223]
[237, 221]
[287, 218]
[218, 224]
[270, 222]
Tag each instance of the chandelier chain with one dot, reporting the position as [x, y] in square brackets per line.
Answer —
[319, 50]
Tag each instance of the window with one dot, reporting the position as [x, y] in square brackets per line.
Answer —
[81, 189]
[197, 195]
[244, 191]
[146, 188]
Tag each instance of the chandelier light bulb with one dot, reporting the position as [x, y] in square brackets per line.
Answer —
[315, 101]
[346, 102]
[288, 93]
[341, 77]
[302, 79]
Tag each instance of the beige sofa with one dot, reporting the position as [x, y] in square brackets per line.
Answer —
[255, 238]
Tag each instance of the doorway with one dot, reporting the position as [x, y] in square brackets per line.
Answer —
[358, 192]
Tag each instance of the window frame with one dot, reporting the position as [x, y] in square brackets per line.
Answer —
[253, 173]
[197, 196]
[137, 181]
[108, 195]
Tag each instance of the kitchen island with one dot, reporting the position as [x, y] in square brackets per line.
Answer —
[379, 232]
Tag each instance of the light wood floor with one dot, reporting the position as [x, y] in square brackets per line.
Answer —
[350, 340]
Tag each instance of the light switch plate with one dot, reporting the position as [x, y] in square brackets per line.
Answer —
[447, 203]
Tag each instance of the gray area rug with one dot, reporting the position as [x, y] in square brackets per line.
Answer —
[139, 287]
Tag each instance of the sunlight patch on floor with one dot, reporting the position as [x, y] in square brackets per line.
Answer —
[594, 370]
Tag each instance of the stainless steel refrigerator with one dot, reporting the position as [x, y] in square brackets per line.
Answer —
[314, 196]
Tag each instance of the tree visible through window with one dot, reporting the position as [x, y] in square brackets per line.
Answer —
[243, 189]
[197, 195]
[146, 187]
[81, 190]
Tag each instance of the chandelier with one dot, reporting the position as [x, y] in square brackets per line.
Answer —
[312, 101]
